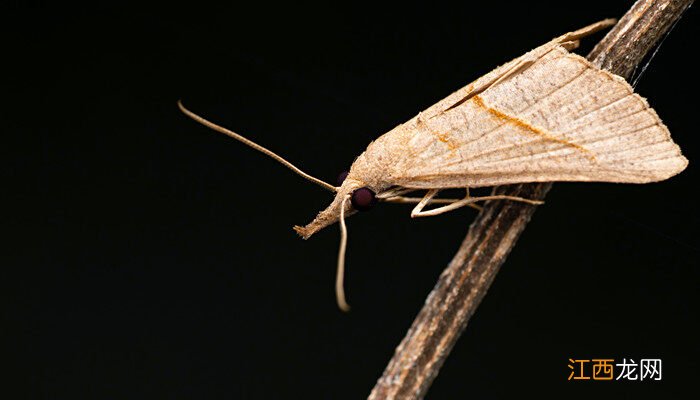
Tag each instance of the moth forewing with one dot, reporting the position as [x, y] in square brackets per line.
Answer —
[560, 119]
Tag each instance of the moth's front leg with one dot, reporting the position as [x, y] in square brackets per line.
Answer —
[414, 200]
[397, 199]
[466, 201]
[418, 209]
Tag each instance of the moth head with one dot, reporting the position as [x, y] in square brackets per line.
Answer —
[352, 196]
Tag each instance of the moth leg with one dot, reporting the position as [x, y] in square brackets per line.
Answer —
[391, 193]
[569, 40]
[424, 201]
[466, 201]
[396, 196]
[519, 67]
[414, 200]
[586, 30]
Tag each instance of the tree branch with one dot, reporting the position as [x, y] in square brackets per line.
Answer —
[493, 234]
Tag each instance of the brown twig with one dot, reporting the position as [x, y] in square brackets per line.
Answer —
[493, 234]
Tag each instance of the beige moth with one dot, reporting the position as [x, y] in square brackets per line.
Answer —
[549, 115]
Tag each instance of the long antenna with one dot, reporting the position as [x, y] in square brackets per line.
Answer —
[254, 145]
[340, 273]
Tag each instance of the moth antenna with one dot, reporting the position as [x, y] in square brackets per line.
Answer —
[340, 273]
[256, 146]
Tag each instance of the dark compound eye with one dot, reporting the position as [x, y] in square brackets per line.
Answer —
[363, 199]
[341, 178]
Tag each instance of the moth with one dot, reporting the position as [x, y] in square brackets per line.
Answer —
[549, 115]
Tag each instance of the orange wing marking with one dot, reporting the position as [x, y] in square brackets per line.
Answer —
[445, 138]
[526, 126]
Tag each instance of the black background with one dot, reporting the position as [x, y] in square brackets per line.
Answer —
[149, 257]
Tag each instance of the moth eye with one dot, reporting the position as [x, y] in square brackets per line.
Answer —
[363, 199]
[341, 178]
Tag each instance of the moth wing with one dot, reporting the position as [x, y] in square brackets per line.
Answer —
[559, 118]
[568, 40]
